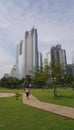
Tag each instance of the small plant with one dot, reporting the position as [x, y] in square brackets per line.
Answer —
[17, 95]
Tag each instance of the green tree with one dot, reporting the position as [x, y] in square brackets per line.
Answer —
[9, 82]
[56, 74]
[73, 85]
[41, 76]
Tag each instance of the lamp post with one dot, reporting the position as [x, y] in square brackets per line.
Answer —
[54, 84]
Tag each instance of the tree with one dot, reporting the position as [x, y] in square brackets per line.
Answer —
[9, 82]
[73, 84]
[56, 73]
[40, 76]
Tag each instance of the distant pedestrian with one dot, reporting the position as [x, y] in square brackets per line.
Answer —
[27, 90]
[30, 85]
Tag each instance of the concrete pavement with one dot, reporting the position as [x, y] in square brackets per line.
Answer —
[2, 95]
[57, 109]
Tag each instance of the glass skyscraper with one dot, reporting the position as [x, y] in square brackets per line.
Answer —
[27, 53]
[58, 55]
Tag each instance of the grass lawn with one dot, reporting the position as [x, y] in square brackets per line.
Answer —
[14, 115]
[65, 96]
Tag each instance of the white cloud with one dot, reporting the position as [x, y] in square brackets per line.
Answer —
[53, 20]
[6, 62]
[5, 69]
[5, 56]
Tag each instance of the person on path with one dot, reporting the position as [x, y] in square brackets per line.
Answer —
[30, 85]
[27, 90]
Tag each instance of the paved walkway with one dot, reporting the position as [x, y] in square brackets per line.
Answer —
[2, 95]
[57, 109]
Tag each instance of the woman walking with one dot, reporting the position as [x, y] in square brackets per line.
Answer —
[27, 90]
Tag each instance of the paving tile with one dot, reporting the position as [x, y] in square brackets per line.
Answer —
[57, 109]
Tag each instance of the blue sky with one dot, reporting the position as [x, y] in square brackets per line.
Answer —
[54, 20]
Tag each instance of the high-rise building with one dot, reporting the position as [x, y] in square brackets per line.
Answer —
[58, 55]
[55, 54]
[40, 60]
[70, 69]
[27, 53]
[73, 70]
[62, 59]
[73, 57]
[20, 59]
[31, 50]
[13, 71]
[48, 57]
[6, 75]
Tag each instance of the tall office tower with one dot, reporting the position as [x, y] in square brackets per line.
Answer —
[13, 71]
[27, 53]
[48, 57]
[58, 55]
[55, 54]
[73, 69]
[40, 60]
[70, 69]
[62, 59]
[73, 57]
[20, 60]
[73, 63]
[31, 50]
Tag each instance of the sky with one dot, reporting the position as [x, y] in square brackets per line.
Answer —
[54, 20]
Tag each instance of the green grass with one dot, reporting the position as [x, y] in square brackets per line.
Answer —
[65, 96]
[11, 90]
[14, 115]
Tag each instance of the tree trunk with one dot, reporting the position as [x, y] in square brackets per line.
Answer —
[55, 91]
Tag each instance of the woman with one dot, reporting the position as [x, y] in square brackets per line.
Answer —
[27, 90]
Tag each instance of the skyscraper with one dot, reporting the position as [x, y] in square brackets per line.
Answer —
[31, 50]
[13, 71]
[62, 59]
[40, 57]
[27, 53]
[48, 57]
[73, 57]
[20, 60]
[58, 55]
[55, 54]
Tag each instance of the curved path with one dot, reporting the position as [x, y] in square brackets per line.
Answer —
[57, 109]
[2, 95]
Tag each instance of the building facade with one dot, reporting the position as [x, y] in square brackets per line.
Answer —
[13, 71]
[31, 50]
[27, 53]
[40, 57]
[6, 75]
[70, 69]
[48, 57]
[58, 55]
[62, 59]
[20, 60]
